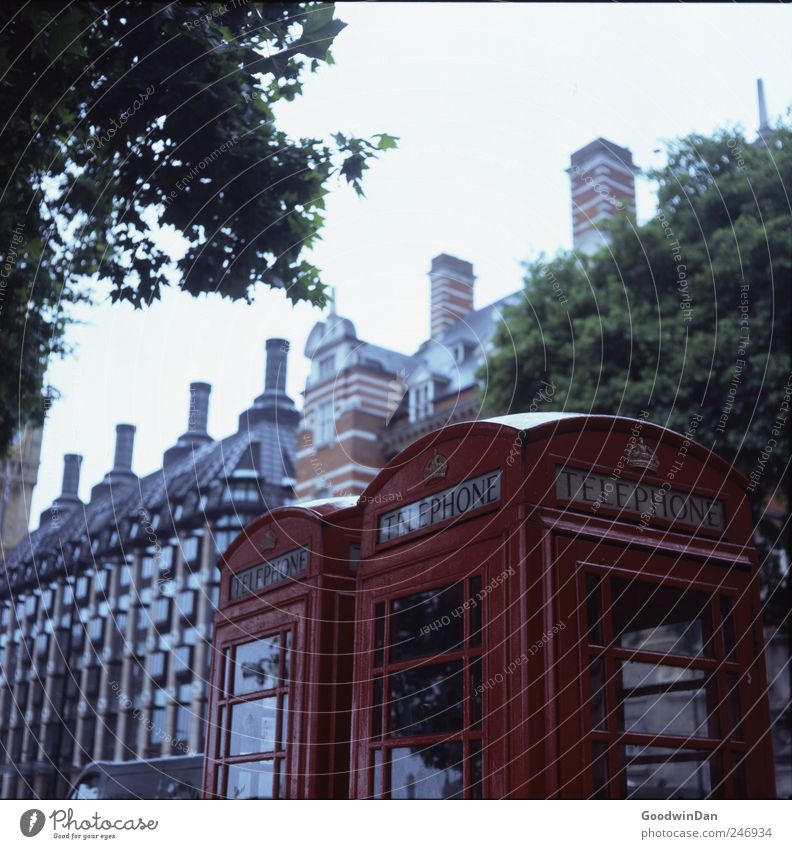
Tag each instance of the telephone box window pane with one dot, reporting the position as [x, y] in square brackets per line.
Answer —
[377, 769]
[283, 722]
[476, 692]
[599, 769]
[733, 704]
[220, 746]
[652, 772]
[651, 617]
[427, 700]
[475, 611]
[431, 622]
[594, 609]
[286, 657]
[476, 770]
[434, 772]
[597, 704]
[740, 786]
[251, 781]
[660, 699]
[379, 633]
[253, 727]
[377, 708]
[256, 666]
[727, 626]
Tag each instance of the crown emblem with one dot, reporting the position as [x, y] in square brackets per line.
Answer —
[268, 541]
[437, 467]
[640, 456]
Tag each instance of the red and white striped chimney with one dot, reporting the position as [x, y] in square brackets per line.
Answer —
[452, 292]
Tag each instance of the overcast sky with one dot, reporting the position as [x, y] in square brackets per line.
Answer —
[489, 101]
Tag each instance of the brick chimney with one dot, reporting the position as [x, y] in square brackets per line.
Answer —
[452, 292]
[602, 178]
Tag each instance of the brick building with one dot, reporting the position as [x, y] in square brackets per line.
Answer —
[363, 403]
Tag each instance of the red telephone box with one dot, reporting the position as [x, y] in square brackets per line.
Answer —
[281, 667]
[559, 606]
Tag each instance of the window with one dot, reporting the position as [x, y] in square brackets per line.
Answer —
[182, 660]
[325, 423]
[190, 548]
[183, 716]
[186, 603]
[254, 719]
[327, 367]
[663, 699]
[420, 401]
[240, 491]
[157, 727]
[95, 629]
[161, 613]
[157, 665]
[426, 695]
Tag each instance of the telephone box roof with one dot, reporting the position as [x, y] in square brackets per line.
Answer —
[535, 426]
[326, 505]
[313, 510]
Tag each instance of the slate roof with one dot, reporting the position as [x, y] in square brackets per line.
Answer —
[196, 480]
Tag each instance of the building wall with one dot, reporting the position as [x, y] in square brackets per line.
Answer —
[18, 477]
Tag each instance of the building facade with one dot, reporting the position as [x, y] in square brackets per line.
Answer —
[364, 403]
[106, 608]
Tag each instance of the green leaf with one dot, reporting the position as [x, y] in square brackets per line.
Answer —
[386, 142]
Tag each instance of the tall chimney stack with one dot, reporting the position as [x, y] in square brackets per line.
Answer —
[452, 292]
[199, 408]
[71, 477]
[65, 503]
[121, 473]
[125, 442]
[277, 351]
[764, 124]
[197, 422]
[273, 404]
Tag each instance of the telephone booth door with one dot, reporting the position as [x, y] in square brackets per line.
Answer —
[421, 715]
[661, 686]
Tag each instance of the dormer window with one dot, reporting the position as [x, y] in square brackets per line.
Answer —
[327, 367]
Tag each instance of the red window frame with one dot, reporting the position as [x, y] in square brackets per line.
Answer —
[279, 756]
[471, 739]
[725, 750]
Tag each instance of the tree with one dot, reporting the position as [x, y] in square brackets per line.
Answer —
[684, 317]
[127, 117]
